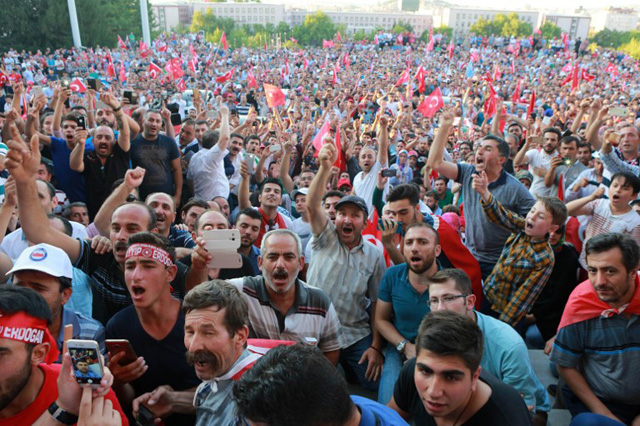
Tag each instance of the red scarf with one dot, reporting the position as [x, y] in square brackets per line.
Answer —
[584, 304]
[269, 225]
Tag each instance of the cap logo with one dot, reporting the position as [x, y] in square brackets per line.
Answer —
[38, 254]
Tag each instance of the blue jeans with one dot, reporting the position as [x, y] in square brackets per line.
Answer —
[349, 358]
[591, 419]
[393, 361]
[534, 338]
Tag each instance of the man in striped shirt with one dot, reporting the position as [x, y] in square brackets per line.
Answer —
[282, 307]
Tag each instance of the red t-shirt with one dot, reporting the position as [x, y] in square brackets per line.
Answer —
[47, 395]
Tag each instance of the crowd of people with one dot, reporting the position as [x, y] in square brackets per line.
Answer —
[409, 218]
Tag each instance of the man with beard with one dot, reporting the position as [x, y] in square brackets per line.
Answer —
[117, 219]
[484, 239]
[597, 348]
[28, 390]
[540, 161]
[281, 306]
[159, 155]
[154, 325]
[365, 181]
[215, 335]
[349, 270]
[248, 222]
[107, 163]
[402, 303]
[505, 354]
[206, 168]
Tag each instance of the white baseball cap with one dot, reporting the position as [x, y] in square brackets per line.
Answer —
[44, 258]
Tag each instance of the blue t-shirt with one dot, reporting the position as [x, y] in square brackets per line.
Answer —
[409, 307]
[376, 414]
[69, 181]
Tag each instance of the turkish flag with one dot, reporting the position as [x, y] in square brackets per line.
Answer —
[154, 70]
[430, 45]
[431, 103]
[516, 93]
[193, 64]
[318, 140]
[450, 50]
[252, 80]
[575, 78]
[327, 43]
[404, 78]
[275, 97]
[532, 103]
[174, 68]
[121, 43]
[3, 78]
[182, 86]
[123, 76]
[144, 50]
[491, 105]
[77, 86]
[223, 41]
[162, 47]
[611, 69]
[567, 68]
[341, 162]
[372, 234]
[347, 61]
[226, 76]
[420, 76]
[496, 73]
[338, 36]
[584, 74]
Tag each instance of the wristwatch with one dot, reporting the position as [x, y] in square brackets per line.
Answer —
[401, 345]
[61, 415]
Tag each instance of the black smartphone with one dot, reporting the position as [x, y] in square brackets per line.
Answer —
[94, 84]
[81, 122]
[131, 96]
[176, 120]
[145, 417]
[389, 173]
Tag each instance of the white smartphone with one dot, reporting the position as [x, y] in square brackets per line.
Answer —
[546, 120]
[36, 92]
[275, 148]
[618, 112]
[212, 114]
[88, 368]
[250, 160]
[222, 239]
[226, 260]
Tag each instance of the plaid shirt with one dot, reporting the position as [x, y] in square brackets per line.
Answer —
[522, 270]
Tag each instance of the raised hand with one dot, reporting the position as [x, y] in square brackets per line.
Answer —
[23, 161]
[133, 178]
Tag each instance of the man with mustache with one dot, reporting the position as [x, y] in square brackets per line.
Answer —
[349, 270]
[154, 325]
[540, 160]
[281, 306]
[215, 335]
[109, 160]
[597, 347]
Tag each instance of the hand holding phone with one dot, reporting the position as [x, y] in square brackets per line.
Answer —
[115, 346]
[222, 245]
[88, 368]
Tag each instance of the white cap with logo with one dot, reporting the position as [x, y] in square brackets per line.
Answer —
[44, 258]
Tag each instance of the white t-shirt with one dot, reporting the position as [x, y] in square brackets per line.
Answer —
[13, 244]
[363, 185]
[206, 170]
[539, 159]
[303, 229]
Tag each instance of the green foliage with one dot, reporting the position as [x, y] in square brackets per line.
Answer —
[314, 29]
[402, 27]
[502, 25]
[550, 31]
[632, 48]
[207, 21]
[615, 39]
[363, 35]
[444, 30]
[39, 24]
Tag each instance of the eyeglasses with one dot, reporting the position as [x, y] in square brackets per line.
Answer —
[445, 300]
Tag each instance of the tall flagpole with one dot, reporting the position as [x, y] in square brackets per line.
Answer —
[144, 17]
[73, 17]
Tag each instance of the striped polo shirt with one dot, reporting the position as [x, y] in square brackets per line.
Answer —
[312, 314]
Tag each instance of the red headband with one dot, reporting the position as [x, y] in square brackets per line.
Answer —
[150, 252]
[23, 327]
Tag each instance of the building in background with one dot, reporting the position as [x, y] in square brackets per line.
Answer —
[615, 19]
[368, 21]
[460, 20]
[574, 25]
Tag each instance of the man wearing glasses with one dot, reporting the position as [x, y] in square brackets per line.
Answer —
[505, 353]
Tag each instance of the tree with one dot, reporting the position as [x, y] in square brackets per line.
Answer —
[550, 31]
[482, 27]
[613, 38]
[512, 26]
[632, 48]
[402, 27]
[41, 24]
[314, 29]
[444, 30]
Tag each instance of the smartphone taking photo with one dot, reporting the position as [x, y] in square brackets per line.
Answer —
[88, 368]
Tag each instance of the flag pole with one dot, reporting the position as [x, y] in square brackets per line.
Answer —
[75, 29]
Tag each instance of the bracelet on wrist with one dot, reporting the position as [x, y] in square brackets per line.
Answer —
[376, 349]
[117, 109]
